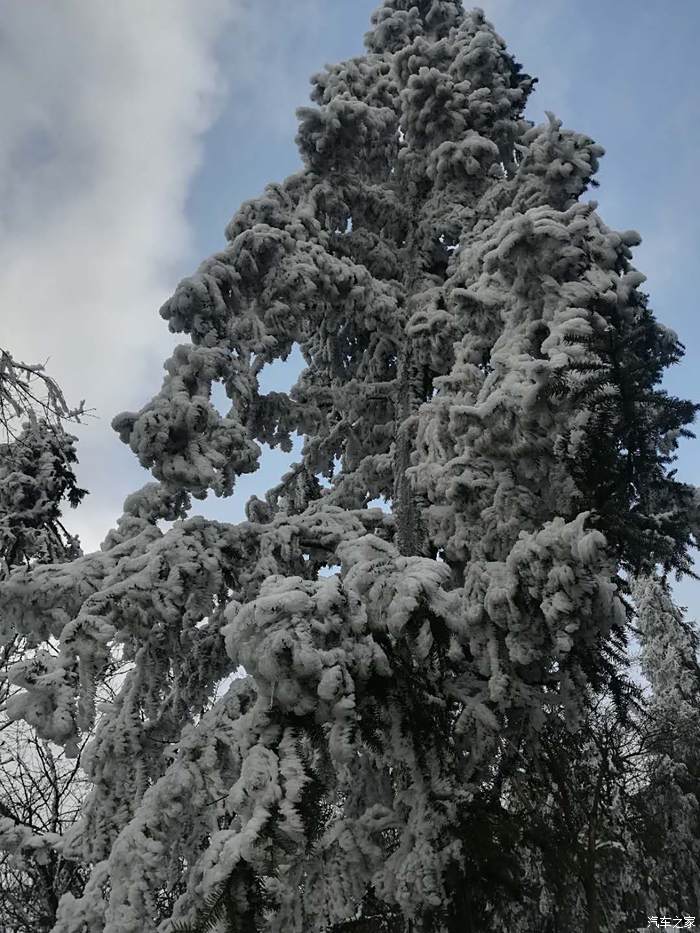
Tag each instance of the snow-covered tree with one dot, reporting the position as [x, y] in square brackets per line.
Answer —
[480, 357]
[40, 789]
[669, 662]
[37, 466]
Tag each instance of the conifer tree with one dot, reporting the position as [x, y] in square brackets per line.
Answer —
[671, 798]
[480, 356]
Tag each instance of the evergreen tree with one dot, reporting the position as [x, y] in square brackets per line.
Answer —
[671, 795]
[480, 356]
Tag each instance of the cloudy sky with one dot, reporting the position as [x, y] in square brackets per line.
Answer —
[132, 131]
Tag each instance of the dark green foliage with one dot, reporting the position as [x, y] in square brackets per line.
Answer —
[375, 917]
[624, 469]
[237, 907]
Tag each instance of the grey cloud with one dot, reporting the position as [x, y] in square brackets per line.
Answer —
[104, 104]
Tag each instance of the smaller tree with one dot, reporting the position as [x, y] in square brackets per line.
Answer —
[669, 662]
[37, 459]
[41, 790]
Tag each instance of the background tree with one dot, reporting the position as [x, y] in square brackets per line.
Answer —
[37, 458]
[41, 791]
[421, 684]
[669, 662]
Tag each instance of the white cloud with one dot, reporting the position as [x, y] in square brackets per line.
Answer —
[104, 104]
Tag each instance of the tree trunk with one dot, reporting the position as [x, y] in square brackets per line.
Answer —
[410, 534]
[593, 919]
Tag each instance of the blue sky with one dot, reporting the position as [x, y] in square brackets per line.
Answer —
[132, 132]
